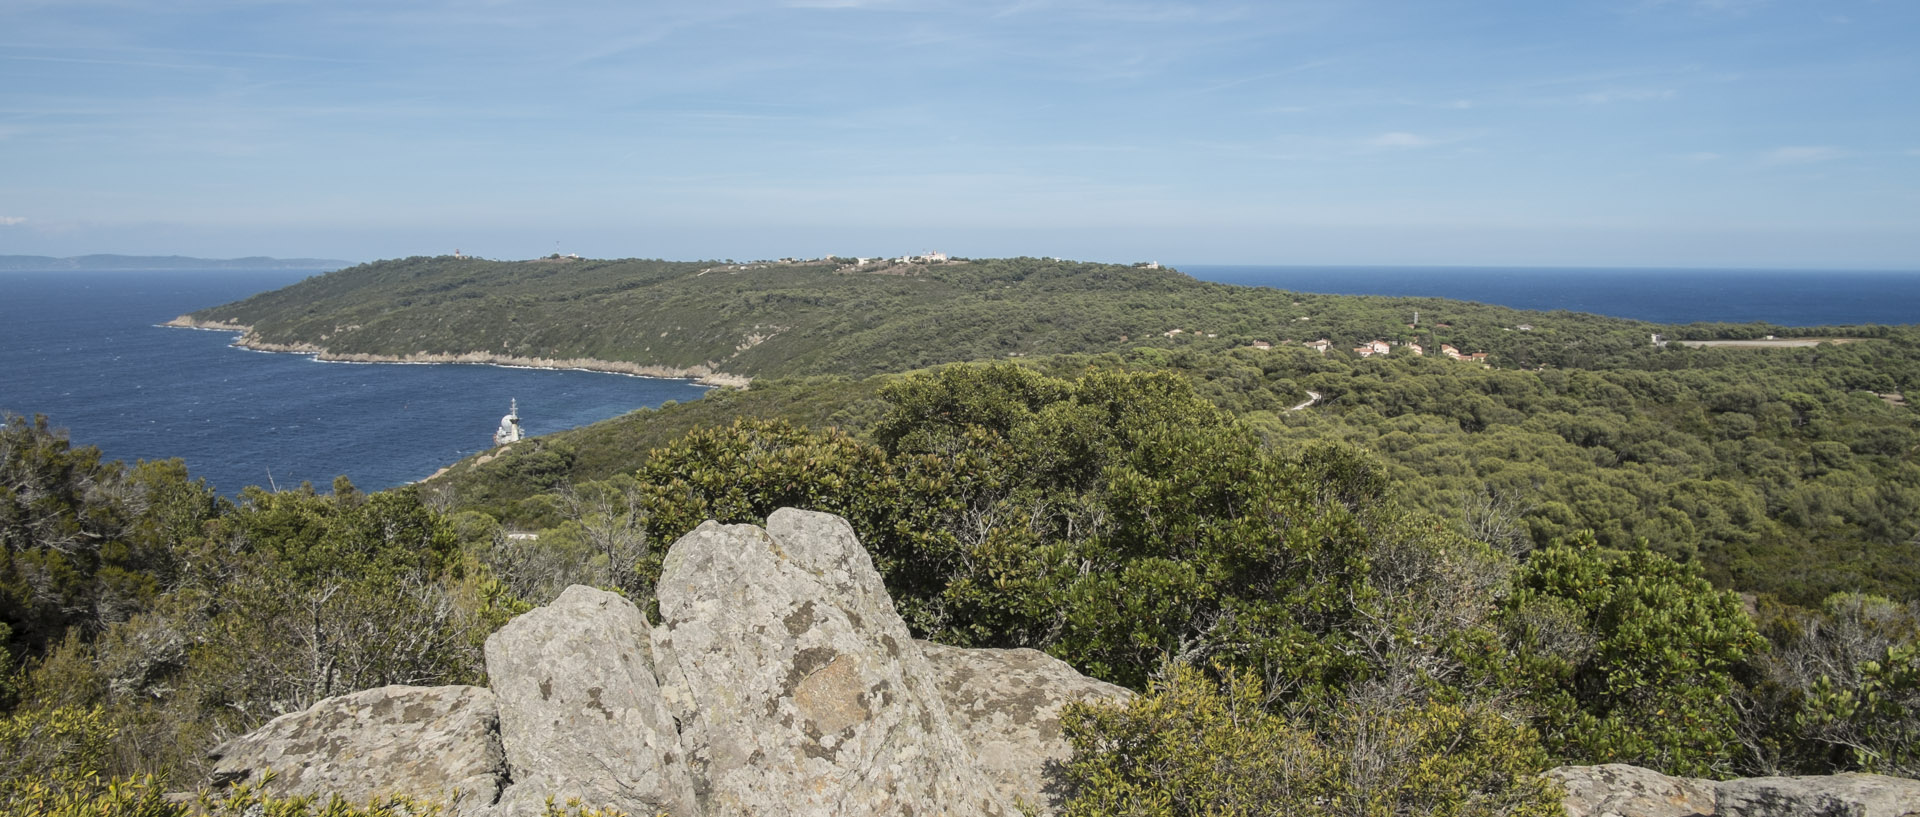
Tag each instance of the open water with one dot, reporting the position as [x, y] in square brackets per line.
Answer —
[83, 349]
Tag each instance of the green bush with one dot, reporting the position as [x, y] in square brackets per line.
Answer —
[1190, 746]
[1629, 657]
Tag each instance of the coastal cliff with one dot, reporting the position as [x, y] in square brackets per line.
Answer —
[249, 339]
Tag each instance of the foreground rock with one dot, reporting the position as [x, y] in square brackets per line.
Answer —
[431, 742]
[1009, 703]
[1619, 790]
[800, 684]
[779, 681]
[580, 711]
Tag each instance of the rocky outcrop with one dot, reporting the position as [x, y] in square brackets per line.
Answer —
[808, 667]
[780, 680]
[1619, 790]
[433, 742]
[580, 711]
[1851, 795]
[796, 682]
[1630, 791]
[1008, 702]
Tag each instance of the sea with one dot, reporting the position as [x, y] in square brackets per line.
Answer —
[85, 349]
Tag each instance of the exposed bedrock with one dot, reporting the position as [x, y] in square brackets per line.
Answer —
[1619, 790]
[780, 680]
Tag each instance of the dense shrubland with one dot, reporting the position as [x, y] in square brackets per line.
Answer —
[1279, 602]
[1409, 598]
[1740, 461]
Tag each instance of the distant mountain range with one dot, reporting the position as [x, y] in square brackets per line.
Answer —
[101, 263]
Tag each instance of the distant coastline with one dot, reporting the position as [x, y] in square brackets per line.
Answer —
[144, 263]
[247, 340]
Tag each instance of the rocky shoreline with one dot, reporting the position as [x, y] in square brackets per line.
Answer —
[248, 340]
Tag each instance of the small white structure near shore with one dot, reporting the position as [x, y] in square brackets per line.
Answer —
[509, 431]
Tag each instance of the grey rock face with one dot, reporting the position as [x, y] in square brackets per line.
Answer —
[798, 682]
[430, 742]
[1619, 790]
[1840, 795]
[580, 712]
[1008, 704]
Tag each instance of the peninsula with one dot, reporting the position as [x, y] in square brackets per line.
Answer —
[727, 323]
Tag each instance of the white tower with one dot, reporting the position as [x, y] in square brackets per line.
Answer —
[509, 431]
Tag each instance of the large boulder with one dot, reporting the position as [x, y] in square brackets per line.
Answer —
[1840, 795]
[580, 711]
[1008, 704]
[799, 684]
[1619, 790]
[430, 742]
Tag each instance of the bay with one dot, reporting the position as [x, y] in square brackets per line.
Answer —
[84, 349]
[1780, 297]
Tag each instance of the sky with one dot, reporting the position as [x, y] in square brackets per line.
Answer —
[1663, 133]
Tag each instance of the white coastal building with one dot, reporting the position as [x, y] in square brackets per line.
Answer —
[509, 431]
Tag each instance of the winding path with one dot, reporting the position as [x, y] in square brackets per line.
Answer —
[1312, 398]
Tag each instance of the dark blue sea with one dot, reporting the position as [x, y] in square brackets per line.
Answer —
[83, 349]
[1781, 297]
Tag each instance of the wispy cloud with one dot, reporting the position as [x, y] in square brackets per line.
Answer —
[1399, 139]
[1294, 69]
[833, 4]
[1119, 11]
[1627, 95]
[1728, 7]
[12, 221]
[127, 63]
[1802, 155]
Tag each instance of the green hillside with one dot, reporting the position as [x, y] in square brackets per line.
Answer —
[782, 319]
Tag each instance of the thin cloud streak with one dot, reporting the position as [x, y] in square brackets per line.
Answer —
[1802, 155]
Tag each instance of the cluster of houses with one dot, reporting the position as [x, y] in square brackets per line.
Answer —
[1381, 347]
[1372, 347]
[929, 257]
[1368, 349]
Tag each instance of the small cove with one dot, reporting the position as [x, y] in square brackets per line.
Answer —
[85, 349]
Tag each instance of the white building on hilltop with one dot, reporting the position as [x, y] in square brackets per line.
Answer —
[509, 431]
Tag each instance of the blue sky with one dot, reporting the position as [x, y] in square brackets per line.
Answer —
[1629, 133]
